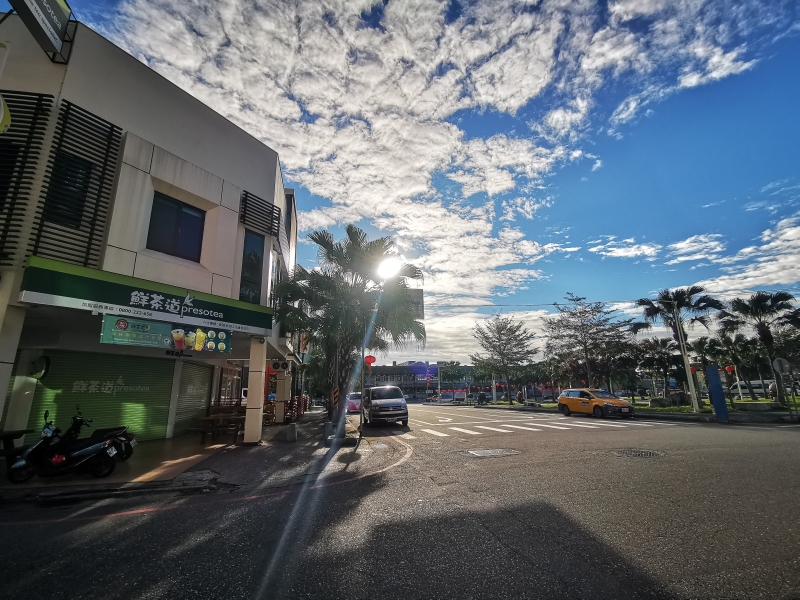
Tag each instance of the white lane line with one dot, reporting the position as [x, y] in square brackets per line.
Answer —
[469, 431]
[606, 424]
[493, 429]
[423, 422]
[521, 427]
[433, 432]
[784, 426]
[629, 422]
[407, 436]
[581, 425]
[551, 426]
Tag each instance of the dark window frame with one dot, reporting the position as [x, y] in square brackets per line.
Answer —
[172, 247]
[253, 284]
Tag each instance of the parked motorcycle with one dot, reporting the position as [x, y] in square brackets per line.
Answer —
[124, 440]
[54, 455]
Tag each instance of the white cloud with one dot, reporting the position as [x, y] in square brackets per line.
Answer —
[697, 247]
[775, 262]
[525, 207]
[597, 164]
[626, 249]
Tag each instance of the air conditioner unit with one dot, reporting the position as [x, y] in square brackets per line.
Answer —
[285, 366]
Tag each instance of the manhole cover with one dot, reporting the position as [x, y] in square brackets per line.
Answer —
[489, 453]
[636, 453]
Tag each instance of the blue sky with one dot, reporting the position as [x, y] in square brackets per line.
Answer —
[515, 150]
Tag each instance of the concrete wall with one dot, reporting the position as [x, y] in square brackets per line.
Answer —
[110, 83]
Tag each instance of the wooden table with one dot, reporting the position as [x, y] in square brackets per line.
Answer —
[221, 423]
[9, 450]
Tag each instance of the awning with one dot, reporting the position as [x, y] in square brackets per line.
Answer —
[56, 283]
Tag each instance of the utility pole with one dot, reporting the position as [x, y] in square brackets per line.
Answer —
[682, 342]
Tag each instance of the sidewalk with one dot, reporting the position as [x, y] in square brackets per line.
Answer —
[156, 466]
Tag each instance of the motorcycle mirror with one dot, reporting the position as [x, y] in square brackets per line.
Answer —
[46, 414]
[78, 408]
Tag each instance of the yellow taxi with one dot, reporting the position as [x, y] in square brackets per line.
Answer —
[599, 403]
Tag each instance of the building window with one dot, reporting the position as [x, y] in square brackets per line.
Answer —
[252, 268]
[176, 228]
[69, 186]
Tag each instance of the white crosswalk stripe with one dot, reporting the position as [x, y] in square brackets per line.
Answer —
[605, 424]
[582, 425]
[494, 428]
[469, 431]
[434, 432]
[521, 427]
[552, 426]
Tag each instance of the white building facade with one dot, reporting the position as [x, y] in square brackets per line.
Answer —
[141, 237]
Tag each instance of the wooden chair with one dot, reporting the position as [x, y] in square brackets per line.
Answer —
[269, 414]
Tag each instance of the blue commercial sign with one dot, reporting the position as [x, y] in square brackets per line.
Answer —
[716, 393]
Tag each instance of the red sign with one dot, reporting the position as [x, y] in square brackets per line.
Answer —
[369, 359]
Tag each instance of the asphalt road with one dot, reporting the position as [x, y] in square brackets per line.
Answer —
[696, 511]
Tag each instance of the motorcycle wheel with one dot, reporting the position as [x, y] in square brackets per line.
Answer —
[103, 467]
[20, 475]
[127, 452]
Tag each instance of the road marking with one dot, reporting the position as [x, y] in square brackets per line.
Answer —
[784, 426]
[407, 436]
[469, 431]
[606, 424]
[581, 425]
[423, 422]
[521, 427]
[551, 426]
[493, 429]
[644, 424]
[432, 432]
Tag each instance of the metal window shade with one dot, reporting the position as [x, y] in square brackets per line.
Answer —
[194, 395]
[73, 208]
[111, 390]
[20, 150]
[259, 216]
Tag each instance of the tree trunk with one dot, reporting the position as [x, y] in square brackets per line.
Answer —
[750, 389]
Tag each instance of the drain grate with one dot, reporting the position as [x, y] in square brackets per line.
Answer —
[490, 453]
[637, 453]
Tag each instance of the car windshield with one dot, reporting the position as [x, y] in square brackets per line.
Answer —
[599, 394]
[354, 396]
[386, 393]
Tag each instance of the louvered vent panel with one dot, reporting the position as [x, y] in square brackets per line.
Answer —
[71, 218]
[20, 151]
[259, 215]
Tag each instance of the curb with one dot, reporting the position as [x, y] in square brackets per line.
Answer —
[98, 494]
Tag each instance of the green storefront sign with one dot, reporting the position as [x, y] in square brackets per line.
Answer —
[135, 332]
[55, 283]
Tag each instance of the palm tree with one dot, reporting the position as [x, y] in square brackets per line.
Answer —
[343, 303]
[674, 309]
[732, 350]
[764, 312]
[658, 356]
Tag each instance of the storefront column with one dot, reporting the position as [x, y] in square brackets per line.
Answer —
[174, 397]
[13, 319]
[21, 399]
[255, 391]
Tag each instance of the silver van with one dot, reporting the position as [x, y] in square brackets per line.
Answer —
[384, 404]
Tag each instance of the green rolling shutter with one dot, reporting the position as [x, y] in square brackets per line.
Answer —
[110, 389]
[193, 395]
